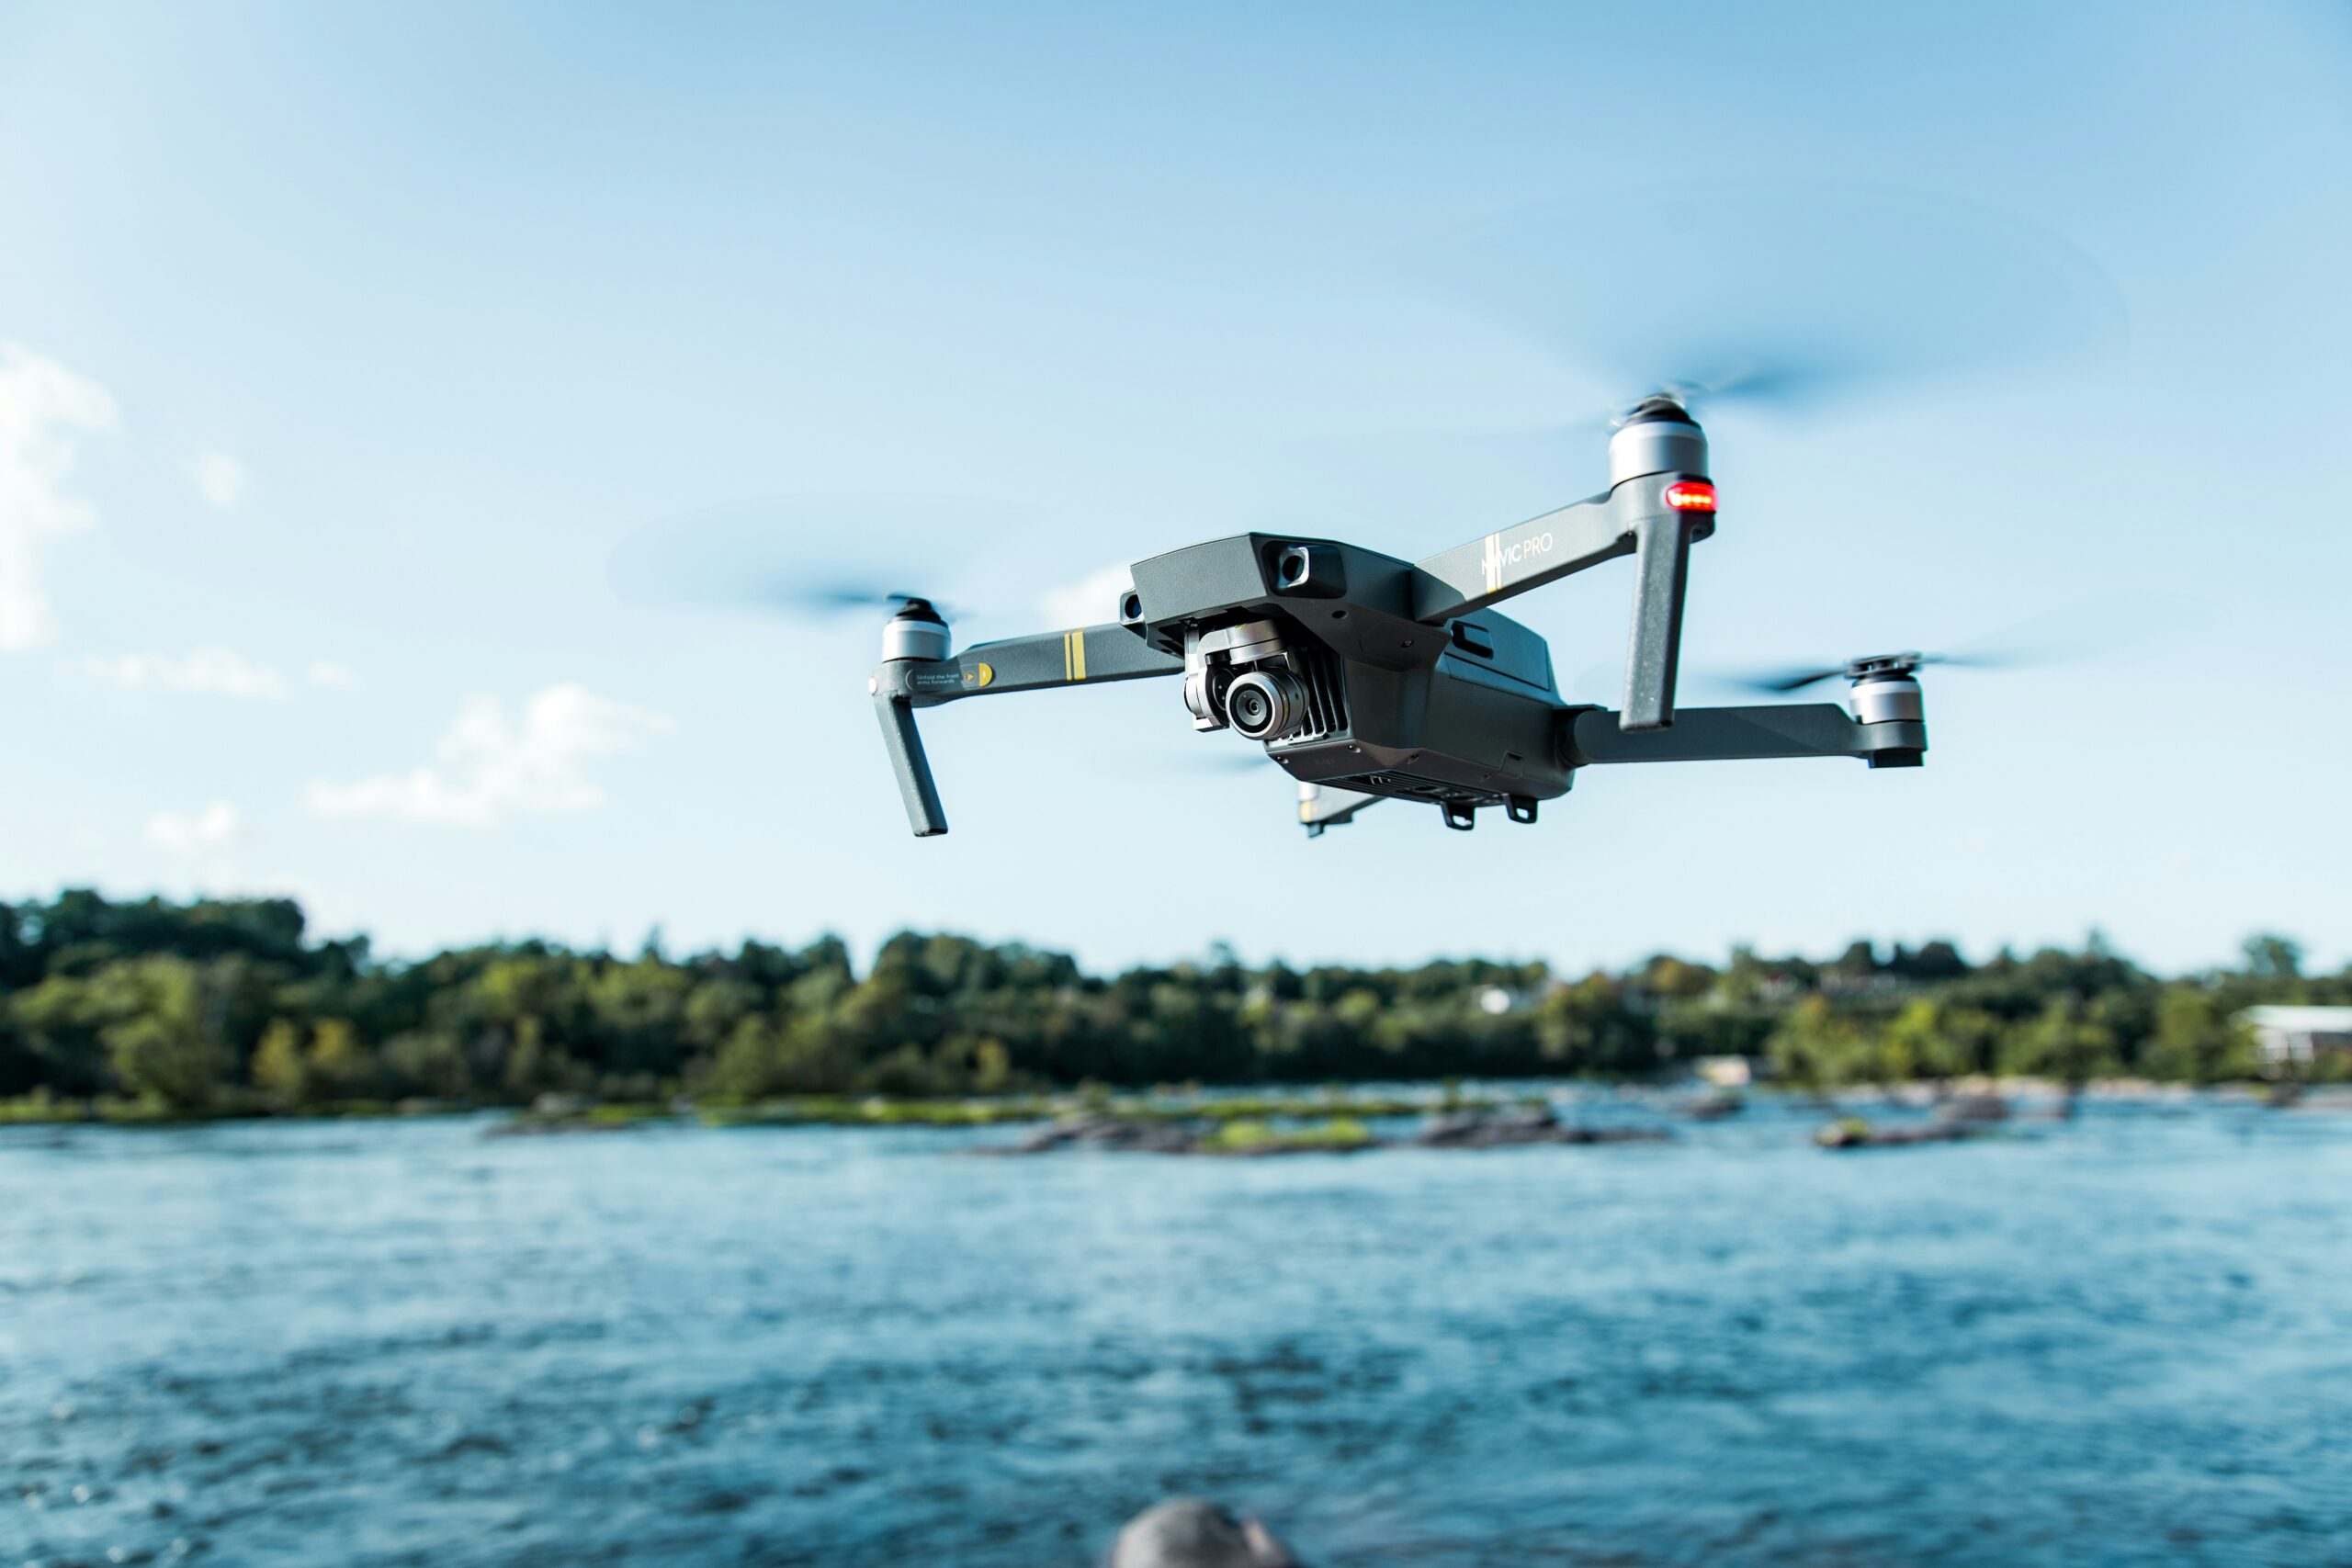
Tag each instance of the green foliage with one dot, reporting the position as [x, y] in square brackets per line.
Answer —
[1240, 1136]
[155, 1008]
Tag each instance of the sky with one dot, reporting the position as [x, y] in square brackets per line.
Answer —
[341, 347]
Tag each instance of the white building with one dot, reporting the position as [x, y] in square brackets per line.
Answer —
[2297, 1035]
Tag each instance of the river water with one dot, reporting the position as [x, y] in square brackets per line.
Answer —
[2127, 1340]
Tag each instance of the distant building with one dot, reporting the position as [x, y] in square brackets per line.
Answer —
[2295, 1035]
[1726, 1072]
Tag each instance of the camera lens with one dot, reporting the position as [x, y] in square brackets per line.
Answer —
[1265, 703]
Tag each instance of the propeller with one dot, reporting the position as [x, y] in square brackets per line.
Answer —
[2102, 624]
[1785, 295]
[1856, 669]
[806, 557]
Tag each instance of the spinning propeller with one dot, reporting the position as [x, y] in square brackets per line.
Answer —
[1887, 664]
[2078, 630]
[1788, 296]
[807, 557]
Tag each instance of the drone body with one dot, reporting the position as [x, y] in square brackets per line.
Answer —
[1368, 678]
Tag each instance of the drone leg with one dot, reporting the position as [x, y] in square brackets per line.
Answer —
[900, 738]
[1461, 819]
[1662, 561]
[1520, 808]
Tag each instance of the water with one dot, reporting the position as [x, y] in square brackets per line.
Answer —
[2128, 1340]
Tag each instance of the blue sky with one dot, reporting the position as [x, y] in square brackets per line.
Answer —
[347, 344]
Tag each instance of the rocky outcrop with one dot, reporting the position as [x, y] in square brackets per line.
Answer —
[1853, 1133]
[1510, 1125]
[1186, 1532]
[1979, 1109]
[1111, 1133]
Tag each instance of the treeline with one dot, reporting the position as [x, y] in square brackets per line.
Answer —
[231, 1006]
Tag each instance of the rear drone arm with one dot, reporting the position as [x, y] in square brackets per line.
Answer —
[1710, 735]
[1658, 502]
[916, 672]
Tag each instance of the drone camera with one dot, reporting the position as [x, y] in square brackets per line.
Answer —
[1204, 692]
[1266, 703]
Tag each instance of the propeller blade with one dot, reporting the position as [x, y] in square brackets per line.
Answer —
[2086, 628]
[1782, 294]
[805, 557]
[1786, 680]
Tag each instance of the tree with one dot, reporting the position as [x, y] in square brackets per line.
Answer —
[161, 1045]
[2196, 1041]
[2272, 957]
[2065, 1043]
[279, 1069]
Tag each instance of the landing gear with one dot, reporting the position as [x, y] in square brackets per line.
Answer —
[1520, 808]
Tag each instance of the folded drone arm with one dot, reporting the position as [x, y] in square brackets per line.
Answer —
[1544, 550]
[1085, 655]
[1041, 661]
[1634, 519]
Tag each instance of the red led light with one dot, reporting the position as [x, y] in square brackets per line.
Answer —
[1691, 495]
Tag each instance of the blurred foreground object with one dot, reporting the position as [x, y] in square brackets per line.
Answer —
[1186, 1532]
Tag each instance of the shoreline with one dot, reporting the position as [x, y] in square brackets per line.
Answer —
[1204, 1104]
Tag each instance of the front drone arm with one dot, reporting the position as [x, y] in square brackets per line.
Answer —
[1037, 662]
[1527, 556]
[901, 685]
[1654, 517]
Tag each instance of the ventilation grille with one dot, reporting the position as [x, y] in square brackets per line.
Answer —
[1326, 709]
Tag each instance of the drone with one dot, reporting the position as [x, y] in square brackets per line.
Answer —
[1367, 678]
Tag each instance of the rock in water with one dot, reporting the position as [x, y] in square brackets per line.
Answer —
[1507, 1126]
[1185, 1532]
[1977, 1107]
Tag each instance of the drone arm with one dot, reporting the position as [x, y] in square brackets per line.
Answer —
[1633, 519]
[899, 686]
[1042, 661]
[1654, 649]
[1327, 806]
[909, 765]
[1542, 549]
[1702, 735]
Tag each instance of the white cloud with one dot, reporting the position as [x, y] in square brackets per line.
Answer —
[195, 834]
[216, 671]
[1089, 601]
[220, 478]
[488, 769]
[212, 672]
[44, 409]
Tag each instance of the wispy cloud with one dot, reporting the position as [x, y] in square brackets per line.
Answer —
[215, 672]
[212, 671]
[45, 410]
[191, 834]
[220, 478]
[1090, 600]
[489, 768]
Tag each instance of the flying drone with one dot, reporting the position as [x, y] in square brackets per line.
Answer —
[1367, 678]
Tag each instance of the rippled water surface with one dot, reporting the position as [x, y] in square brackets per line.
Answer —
[2124, 1340]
